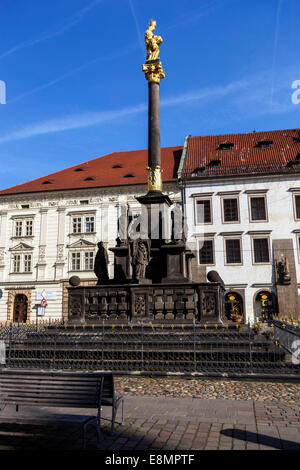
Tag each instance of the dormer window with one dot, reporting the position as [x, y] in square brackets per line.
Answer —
[265, 144]
[200, 170]
[226, 146]
[214, 163]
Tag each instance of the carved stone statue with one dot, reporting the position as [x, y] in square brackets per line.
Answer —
[101, 263]
[283, 271]
[152, 42]
[140, 257]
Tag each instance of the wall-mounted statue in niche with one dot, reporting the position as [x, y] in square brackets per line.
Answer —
[283, 270]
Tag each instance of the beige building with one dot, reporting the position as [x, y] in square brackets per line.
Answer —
[50, 227]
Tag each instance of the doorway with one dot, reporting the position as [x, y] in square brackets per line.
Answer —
[20, 308]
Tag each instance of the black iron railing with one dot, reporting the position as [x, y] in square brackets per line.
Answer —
[146, 348]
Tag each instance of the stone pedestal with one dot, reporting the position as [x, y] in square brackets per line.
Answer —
[122, 268]
[174, 259]
[155, 217]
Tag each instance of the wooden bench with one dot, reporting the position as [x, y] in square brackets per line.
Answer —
[51, 388]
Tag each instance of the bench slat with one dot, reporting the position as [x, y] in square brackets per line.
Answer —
[50, 389]
[47, 393]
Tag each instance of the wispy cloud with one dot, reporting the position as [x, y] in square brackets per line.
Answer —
[109, 57]
[139, 34]
[74, 121]
[88, 119]
[205, 93]
[195, 15]
[276, 36]
[245, 97]
[69, 23]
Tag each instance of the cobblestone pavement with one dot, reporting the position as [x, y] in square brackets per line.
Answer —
[210, 389]
[166, 422]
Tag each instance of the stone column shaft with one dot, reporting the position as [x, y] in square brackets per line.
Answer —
[154, 156]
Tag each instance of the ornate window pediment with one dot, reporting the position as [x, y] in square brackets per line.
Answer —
[81, 244]
[21, 247]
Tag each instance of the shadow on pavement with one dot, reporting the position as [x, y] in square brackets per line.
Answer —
[67, 437]
[261, 439]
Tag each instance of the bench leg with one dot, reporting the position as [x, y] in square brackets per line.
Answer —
[114, 414]
[96, 424]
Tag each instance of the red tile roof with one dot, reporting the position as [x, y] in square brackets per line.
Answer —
[110, 170]
[245, 156]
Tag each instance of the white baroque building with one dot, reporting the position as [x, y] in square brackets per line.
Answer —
[50, 227]
[241, 196]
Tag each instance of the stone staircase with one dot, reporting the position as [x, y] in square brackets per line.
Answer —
[163, 349]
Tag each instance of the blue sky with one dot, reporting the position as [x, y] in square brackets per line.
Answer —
[75, 88]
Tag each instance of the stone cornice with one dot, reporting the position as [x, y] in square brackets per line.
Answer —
[259, 232]
[228, 193]
[202, 194]
[98, 192]
[23, 216]
[231, 234]
[256, 191]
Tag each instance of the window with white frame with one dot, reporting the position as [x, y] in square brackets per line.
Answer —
[82, 261]
[203, 211]
[230, 207]
[258, 210]
[76, 261]
[23, 228]
[27, 263]
[83, 224]
[76, 224]
[233, 251]
[206, 251]
[89, 224]
[22, 263]
[17, 263]
[261, 250]
[29, 228]
[297, 206]
[88, 260]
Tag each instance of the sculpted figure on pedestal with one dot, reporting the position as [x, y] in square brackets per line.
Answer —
[101, 263]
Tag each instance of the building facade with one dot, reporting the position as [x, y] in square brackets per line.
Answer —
[241, 195]
[241, 201]
[50, 227]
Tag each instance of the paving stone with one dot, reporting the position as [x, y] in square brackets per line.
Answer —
[196, 423]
